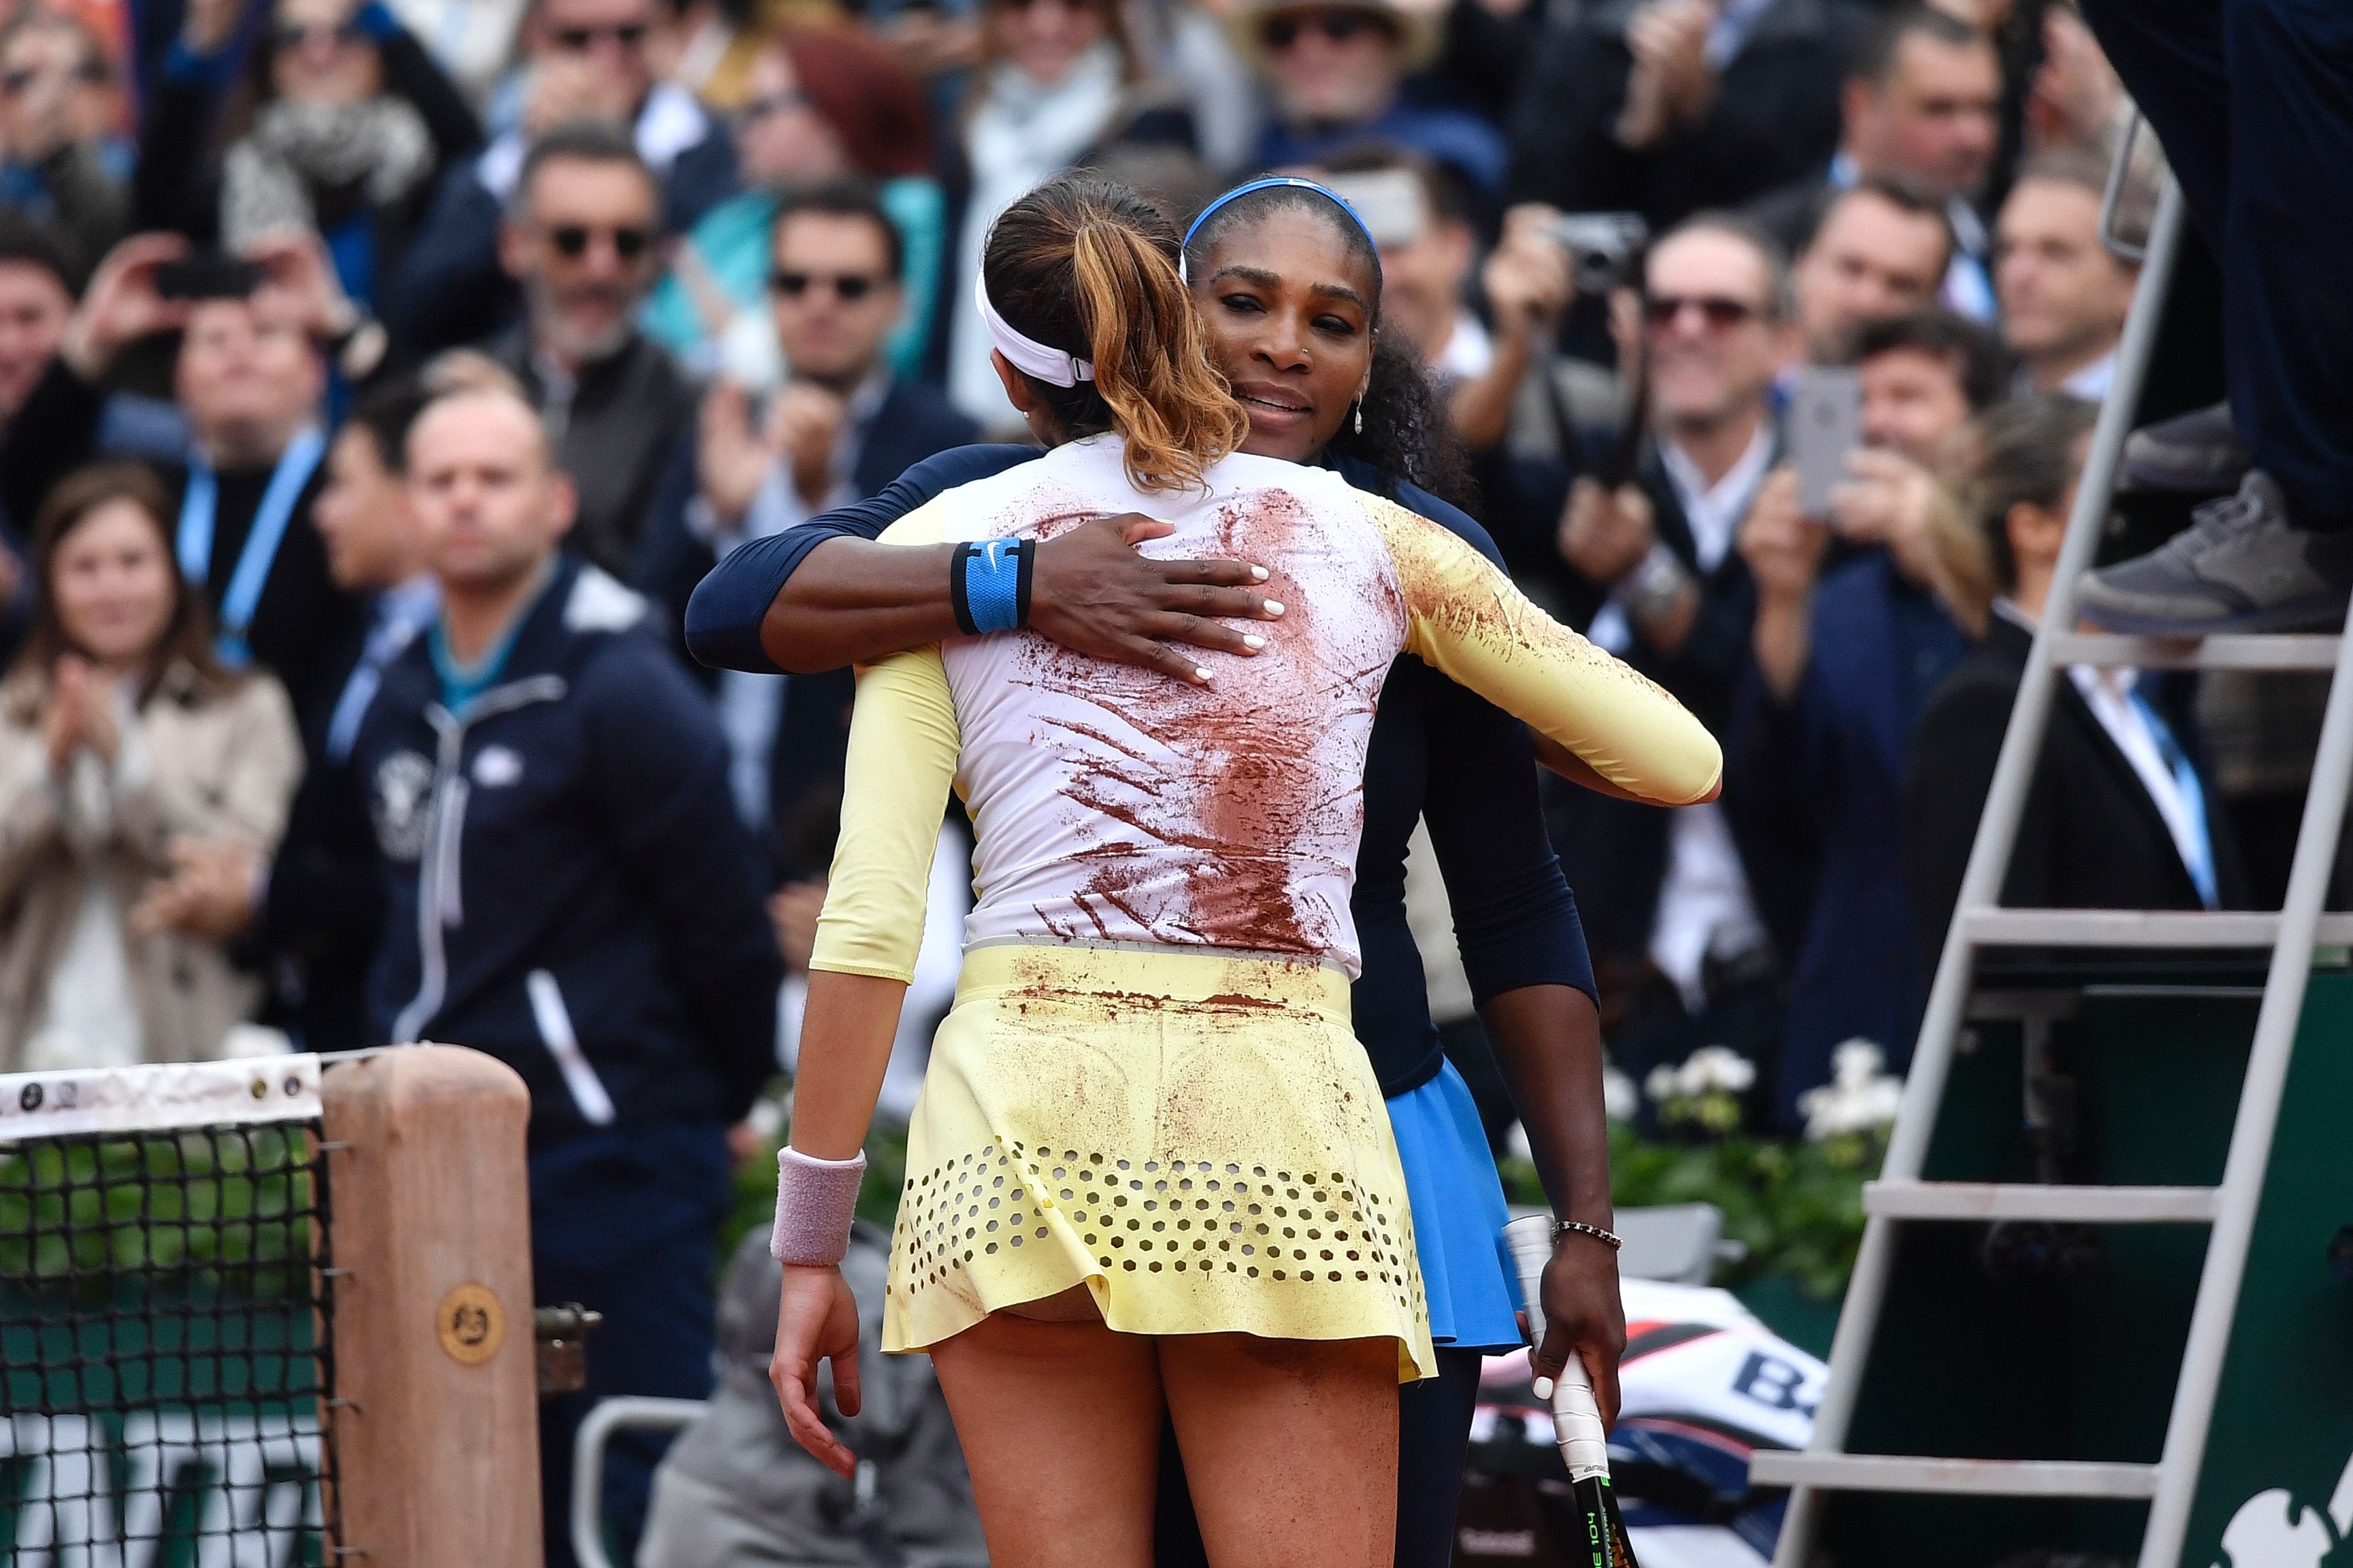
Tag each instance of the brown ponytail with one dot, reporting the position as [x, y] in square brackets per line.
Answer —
[1089, 267]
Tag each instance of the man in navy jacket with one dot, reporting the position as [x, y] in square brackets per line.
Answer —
[1848, 645]
[568, 890]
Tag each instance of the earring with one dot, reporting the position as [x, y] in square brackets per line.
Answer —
[1360, 416]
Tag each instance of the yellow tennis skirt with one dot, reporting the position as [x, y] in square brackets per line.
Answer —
[1196, 1137]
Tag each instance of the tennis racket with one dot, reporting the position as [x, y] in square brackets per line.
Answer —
[1576, 1417]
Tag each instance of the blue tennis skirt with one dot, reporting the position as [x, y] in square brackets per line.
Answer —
[1457, 1215]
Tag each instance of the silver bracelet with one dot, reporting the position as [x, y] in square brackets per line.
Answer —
[1561, 1228]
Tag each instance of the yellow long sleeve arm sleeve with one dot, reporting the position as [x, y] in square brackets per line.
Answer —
[903, 746]
[1471, 623]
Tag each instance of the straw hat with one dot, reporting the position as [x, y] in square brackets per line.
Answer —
[1420, 36]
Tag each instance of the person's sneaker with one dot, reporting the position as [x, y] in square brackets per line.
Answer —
[2198, 454]
[2239, 567]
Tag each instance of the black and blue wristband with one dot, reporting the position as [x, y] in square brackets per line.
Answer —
[988, 585]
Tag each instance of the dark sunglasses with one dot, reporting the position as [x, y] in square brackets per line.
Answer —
[572, 239]
[1714, 309]
[847, 287]
[579, 40]
[294, 34]
[1339, 26]
[92, 72]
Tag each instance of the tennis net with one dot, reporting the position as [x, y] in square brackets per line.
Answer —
[168, 1347]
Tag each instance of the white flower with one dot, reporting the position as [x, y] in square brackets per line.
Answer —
[1619, 1098]
[1711, 1067]
[1858, 1061]
[1860, 1098]
[1661, 1085]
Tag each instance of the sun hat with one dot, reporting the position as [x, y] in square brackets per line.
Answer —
[1419, 37]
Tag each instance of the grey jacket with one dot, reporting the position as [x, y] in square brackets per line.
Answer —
[782, 1506]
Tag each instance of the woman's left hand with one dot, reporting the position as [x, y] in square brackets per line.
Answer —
[817, 1319]
[1583, 1313]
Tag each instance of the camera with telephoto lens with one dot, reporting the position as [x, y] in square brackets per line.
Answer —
[1602, 248]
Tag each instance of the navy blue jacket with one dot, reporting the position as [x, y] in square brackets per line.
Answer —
[1437, 751]
[567, 886]
[1823, 776]
[914, 421]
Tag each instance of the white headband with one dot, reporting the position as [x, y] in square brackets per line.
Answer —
[1028, 355]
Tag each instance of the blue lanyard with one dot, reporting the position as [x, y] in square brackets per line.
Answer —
[197, 514]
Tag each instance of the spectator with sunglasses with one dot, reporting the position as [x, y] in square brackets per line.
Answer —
[584, 59]
[339, 129]
[583, 240]
[841, 427]
[821, 105]
[1337, 73]
[1677, 913]
[57, 165]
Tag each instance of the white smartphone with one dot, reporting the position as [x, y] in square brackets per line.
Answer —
[1825, 423]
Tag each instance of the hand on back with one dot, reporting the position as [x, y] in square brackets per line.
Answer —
[1094, 593]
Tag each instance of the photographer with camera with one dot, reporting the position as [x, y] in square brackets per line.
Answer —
[1529, 279]
[1645, 561]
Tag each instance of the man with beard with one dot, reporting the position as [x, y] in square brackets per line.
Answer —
[581, 237]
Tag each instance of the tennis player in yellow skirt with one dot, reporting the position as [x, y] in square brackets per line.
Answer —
[1151, 1167]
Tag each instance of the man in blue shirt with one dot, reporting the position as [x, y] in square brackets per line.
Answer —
[567, 888]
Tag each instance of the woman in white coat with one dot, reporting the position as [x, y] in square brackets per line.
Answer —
[131, 763]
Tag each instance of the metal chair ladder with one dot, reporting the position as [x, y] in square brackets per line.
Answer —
[1900, 1196]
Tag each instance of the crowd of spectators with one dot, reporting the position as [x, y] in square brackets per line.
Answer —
[377, 380]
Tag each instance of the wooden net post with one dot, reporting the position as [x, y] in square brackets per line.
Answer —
[434, 1416]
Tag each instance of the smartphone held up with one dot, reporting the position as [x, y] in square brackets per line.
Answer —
[1825, 423]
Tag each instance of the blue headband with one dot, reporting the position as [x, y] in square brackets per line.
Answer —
[1271, 183]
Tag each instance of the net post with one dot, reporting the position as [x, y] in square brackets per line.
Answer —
[436, 1420]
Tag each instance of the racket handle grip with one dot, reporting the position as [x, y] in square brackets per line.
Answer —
[1577, 1418]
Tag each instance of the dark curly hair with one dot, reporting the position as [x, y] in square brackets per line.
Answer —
[1407, 435]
